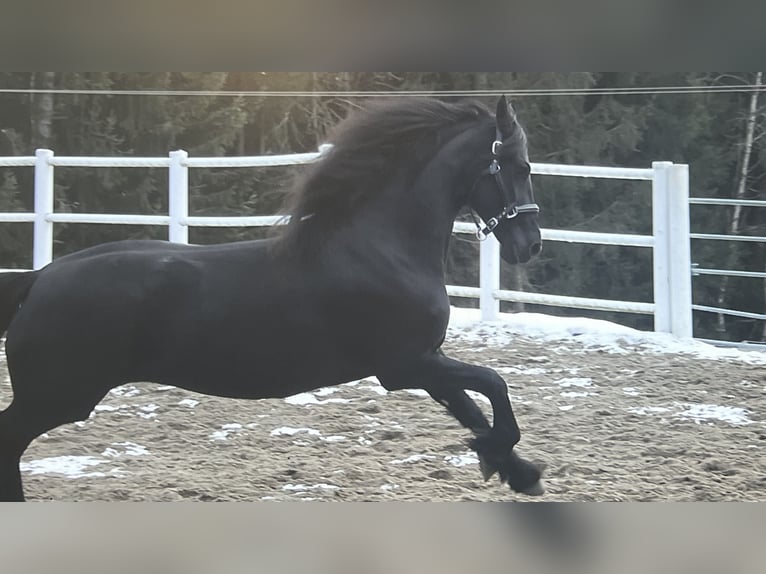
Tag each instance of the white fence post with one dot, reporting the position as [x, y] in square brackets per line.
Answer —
[489, 278]
[679, 249]
[43, 228]
[672, 251]
[661, 255]
[178, 197]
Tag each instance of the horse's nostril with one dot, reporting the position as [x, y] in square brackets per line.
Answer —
[535, 249]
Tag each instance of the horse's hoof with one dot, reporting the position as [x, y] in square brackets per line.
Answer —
[537, 489]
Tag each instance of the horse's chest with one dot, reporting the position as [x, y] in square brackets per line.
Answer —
[393, 322]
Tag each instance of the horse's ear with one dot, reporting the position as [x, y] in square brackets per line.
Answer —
[506, 117]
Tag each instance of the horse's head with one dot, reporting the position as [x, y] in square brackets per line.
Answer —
[502, 195]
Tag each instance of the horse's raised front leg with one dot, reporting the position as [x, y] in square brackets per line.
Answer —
[446, 380]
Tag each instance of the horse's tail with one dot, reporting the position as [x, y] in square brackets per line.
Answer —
[13, 290]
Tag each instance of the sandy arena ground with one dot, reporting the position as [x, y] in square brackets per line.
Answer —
[608, 427]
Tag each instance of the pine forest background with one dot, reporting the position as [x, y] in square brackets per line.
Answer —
[719, 134]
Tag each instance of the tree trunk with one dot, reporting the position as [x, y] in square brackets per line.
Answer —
[736, 219]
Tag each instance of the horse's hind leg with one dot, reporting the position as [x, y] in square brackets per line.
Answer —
[462, 407]
[12, 445]
[446, 380]
[25, 419]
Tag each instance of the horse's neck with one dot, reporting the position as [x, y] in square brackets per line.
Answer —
[418, 216]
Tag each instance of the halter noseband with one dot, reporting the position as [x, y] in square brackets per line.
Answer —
[510, 208]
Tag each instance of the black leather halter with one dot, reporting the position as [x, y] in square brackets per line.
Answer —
[510, 206]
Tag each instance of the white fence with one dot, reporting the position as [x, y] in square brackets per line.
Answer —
[672, 307]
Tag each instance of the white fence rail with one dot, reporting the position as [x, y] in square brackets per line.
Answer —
[696, 271]
[672, 306]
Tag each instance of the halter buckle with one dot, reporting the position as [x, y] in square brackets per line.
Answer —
[528, 208]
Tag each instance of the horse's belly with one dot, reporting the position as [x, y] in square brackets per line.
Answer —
[266, 379]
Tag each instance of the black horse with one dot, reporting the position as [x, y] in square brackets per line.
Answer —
[353, 286]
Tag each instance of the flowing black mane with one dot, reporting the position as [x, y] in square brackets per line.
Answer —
[387, 139]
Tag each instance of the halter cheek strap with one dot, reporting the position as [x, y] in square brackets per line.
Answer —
[510, 208]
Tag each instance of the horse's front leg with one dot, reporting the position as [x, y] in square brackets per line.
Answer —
[446, 380]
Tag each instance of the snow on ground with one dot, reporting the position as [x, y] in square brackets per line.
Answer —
[78, 466]
[592, 334]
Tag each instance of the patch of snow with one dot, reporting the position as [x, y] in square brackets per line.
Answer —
[303, 487]
[290, 431]
[147, 411]
[519, 370]
[109, 408]
[191, 403]
[648, 410]
[574, 395]
[575, 382]
[736, 416]
[225, 431]
[333, 438]
[125, 391]
[326, 391]
[69, 466]
[128, 449]
[702, 412]
[462, 459]
[307, 399]
[413, 458]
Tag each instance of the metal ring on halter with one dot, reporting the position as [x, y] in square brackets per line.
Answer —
[496, 145]
[482, 234]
